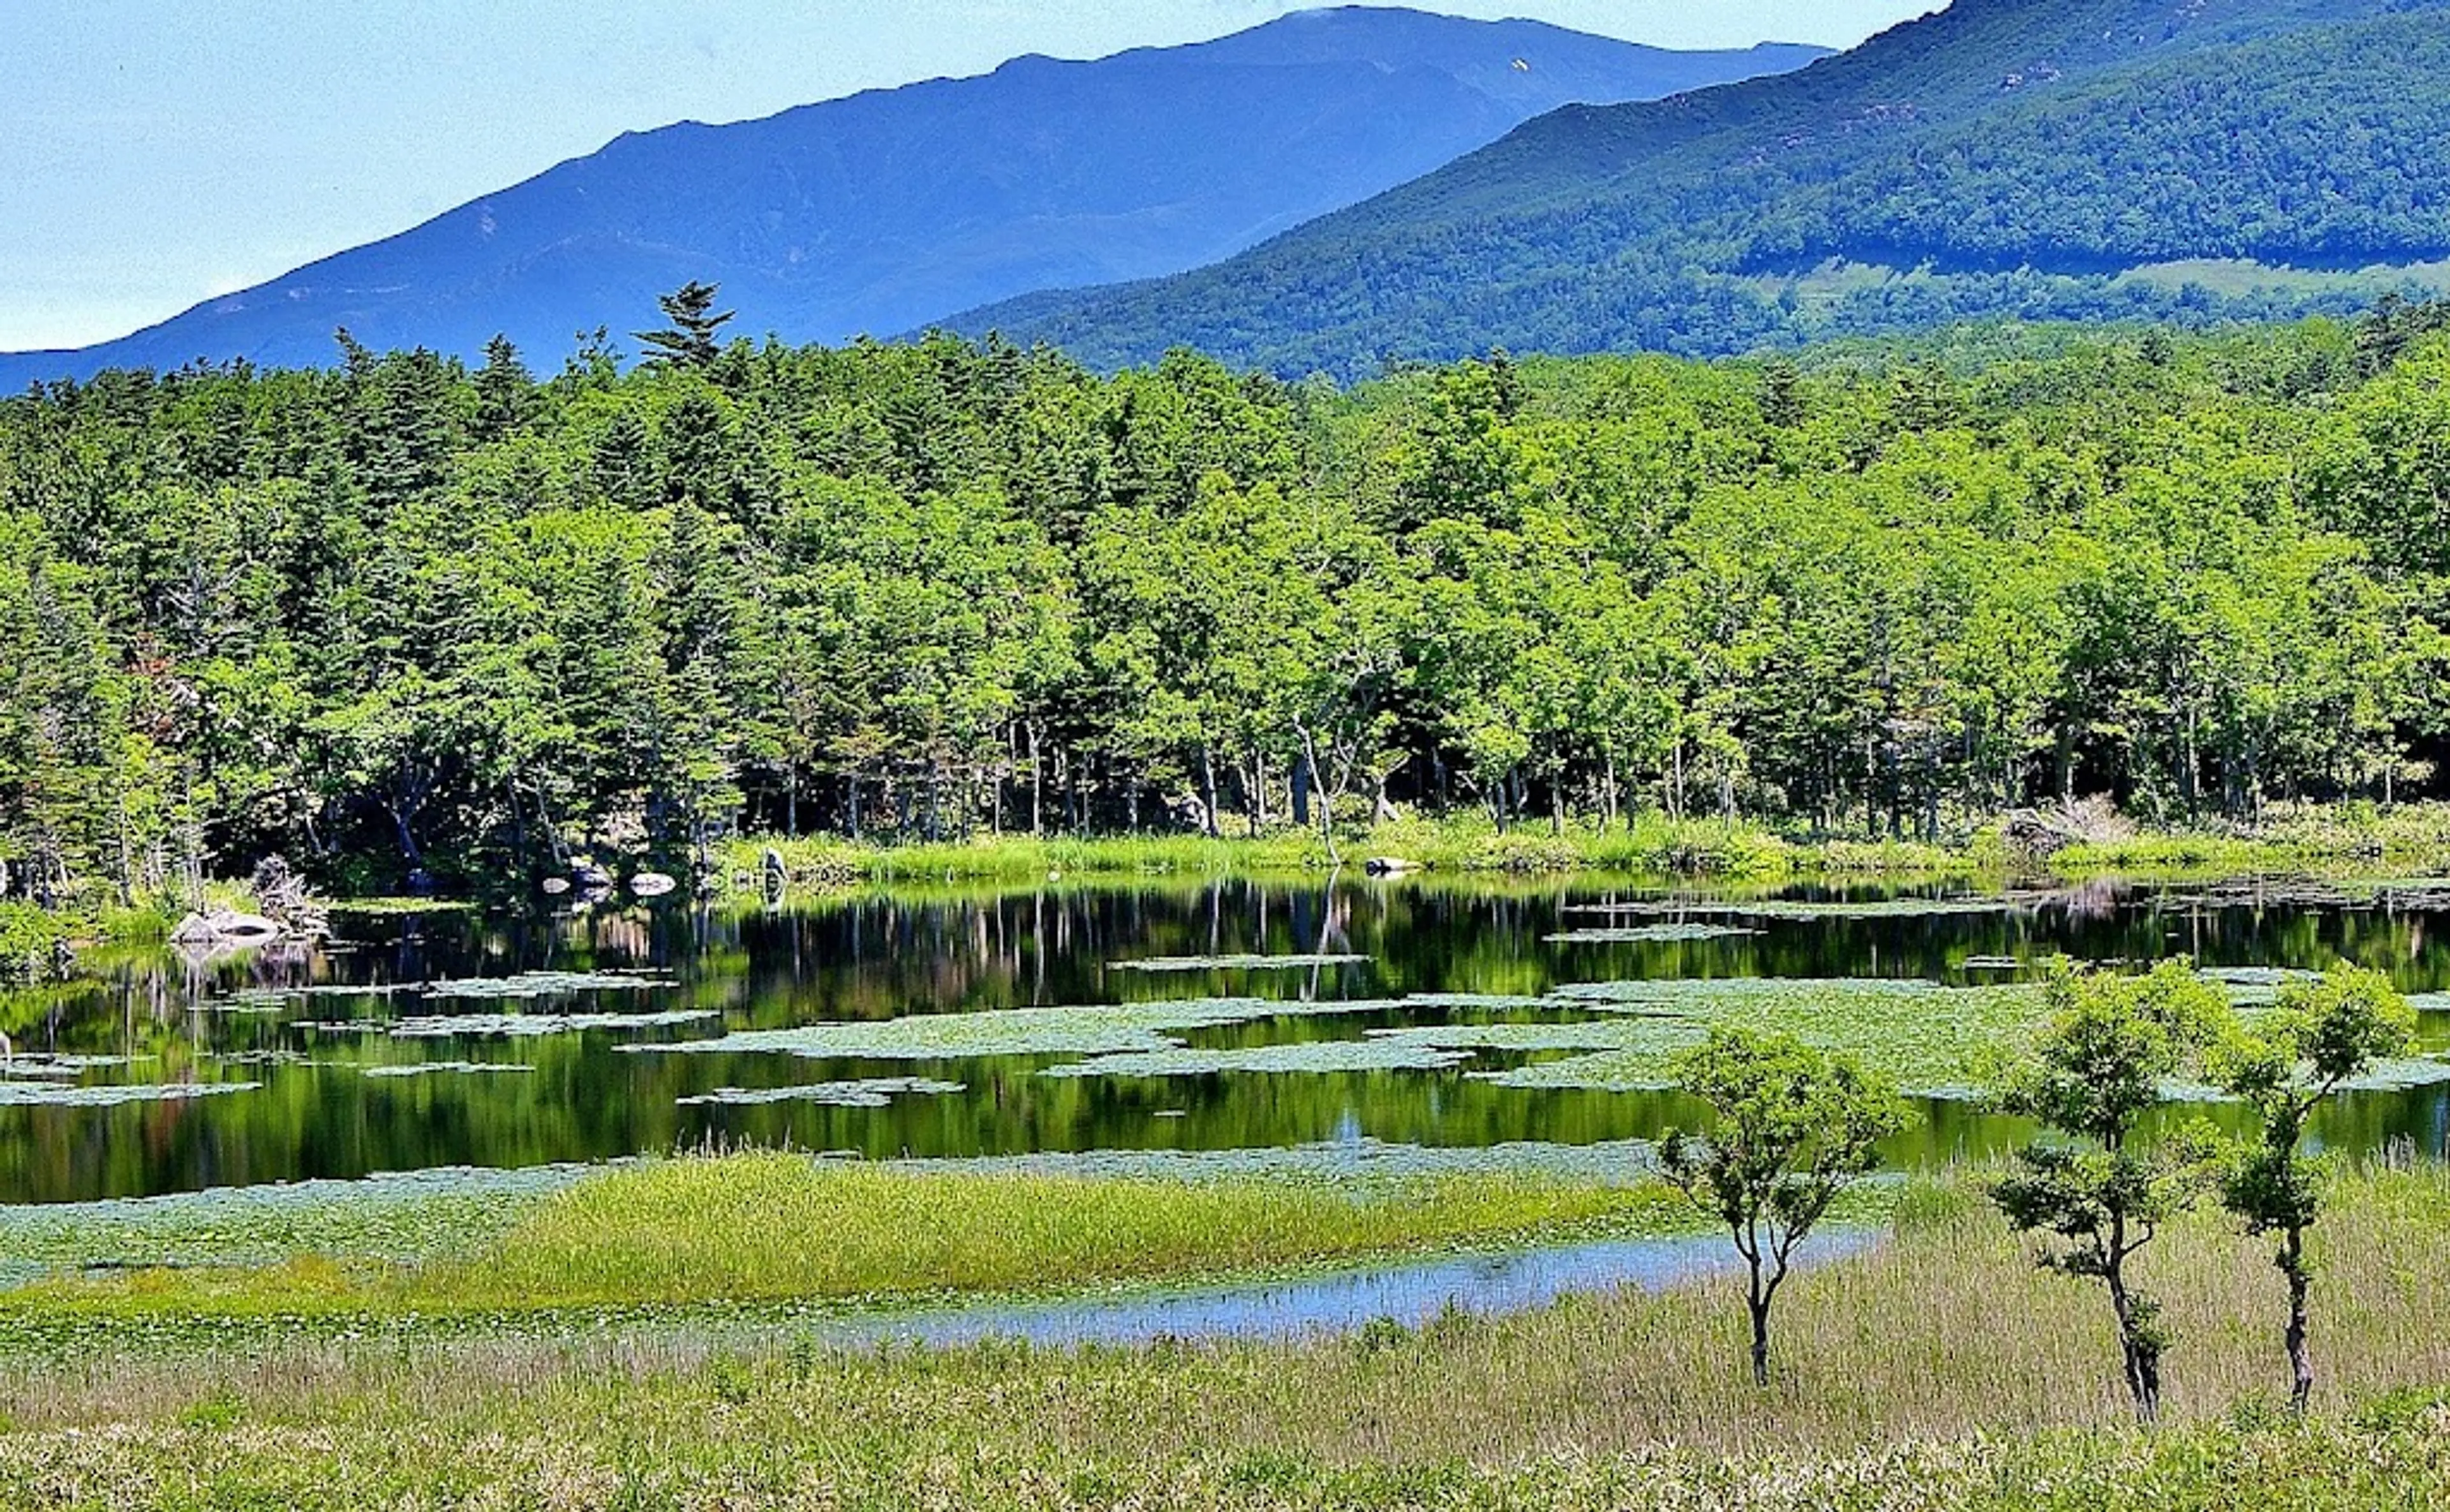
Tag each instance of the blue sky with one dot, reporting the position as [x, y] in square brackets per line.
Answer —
[158, 152]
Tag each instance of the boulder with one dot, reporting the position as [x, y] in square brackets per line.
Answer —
[225, 926]
[653, 885]
[1390, 866]
[556, 886]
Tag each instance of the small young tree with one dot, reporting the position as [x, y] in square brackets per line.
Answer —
[2113, 1044]
[1795, 1127]
[2319, 1034]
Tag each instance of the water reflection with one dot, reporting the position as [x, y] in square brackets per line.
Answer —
[880, 956]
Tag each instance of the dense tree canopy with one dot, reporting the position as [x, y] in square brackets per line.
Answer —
[403, 615]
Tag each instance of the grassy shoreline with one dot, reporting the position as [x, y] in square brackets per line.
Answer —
[2416, 836]
[1939, 1370]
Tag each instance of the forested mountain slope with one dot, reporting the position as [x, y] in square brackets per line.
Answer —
[2043, 158]
[892, 207]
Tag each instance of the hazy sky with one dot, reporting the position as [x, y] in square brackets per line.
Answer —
[154, 153]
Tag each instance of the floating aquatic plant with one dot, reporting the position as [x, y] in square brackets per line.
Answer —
[50, 1095]
[1183, 964]
[448, 1067]
[1107, 1029]
[2256, 975]
[1789, 911]
[1615, 1033]
[1933, 1039]
[248, 1001]
[1347, 1164]
[548, 984]
[1317, 1058]
[537, 1026]
[268, 1058]
[1651, 933]
[877, 1092]
[42, 1067]
[390, 1217]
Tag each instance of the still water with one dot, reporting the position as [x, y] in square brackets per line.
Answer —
[995, 1023]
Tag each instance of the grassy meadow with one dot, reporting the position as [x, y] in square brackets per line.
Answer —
[1938, 1369]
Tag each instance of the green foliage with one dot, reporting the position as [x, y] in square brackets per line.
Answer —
[1793, 1128]
[689, 340]
[2318, 1036]
[400, 618]
[2113, 1045]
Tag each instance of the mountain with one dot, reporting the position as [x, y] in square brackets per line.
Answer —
[873, 213]
[2042, 158]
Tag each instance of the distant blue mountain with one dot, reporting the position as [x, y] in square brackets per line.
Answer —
[881, 212]
[2192, 161]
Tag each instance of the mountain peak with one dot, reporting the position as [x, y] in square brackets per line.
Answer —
[887, 209]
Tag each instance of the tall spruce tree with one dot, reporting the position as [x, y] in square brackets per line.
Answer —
[688, 342]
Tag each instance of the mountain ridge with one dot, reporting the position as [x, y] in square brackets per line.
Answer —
[889, 207]
[1651, 224]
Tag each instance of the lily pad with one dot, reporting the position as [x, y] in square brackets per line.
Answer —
[1182, 963]
[548, 984]
[1319, 1057]
[45, 1067]
[537, 1026]
[1808, 911]
[2256, 975]
[1571, 1034]
[448, 1067]
[47, 1095]
[1102, 1029]
[1932, 1039]
[877, 1092]
[1651, 933]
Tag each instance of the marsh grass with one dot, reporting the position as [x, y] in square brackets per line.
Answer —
[1941, 1370]
[1652, 845]
[773, 1227]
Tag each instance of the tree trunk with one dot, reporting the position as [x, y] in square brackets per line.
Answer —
[1208, 790]
[2141, 1356]
[1758, 1304]
[2301, 1357]
[1307, 767]
[1037, 786]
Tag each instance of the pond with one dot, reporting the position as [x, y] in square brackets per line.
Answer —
[1413, 1294]
[1154, 1016]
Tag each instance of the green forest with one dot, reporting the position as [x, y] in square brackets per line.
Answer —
[406, 622]
[2041, 160]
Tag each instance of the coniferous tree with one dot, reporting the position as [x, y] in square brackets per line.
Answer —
[689, 340]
